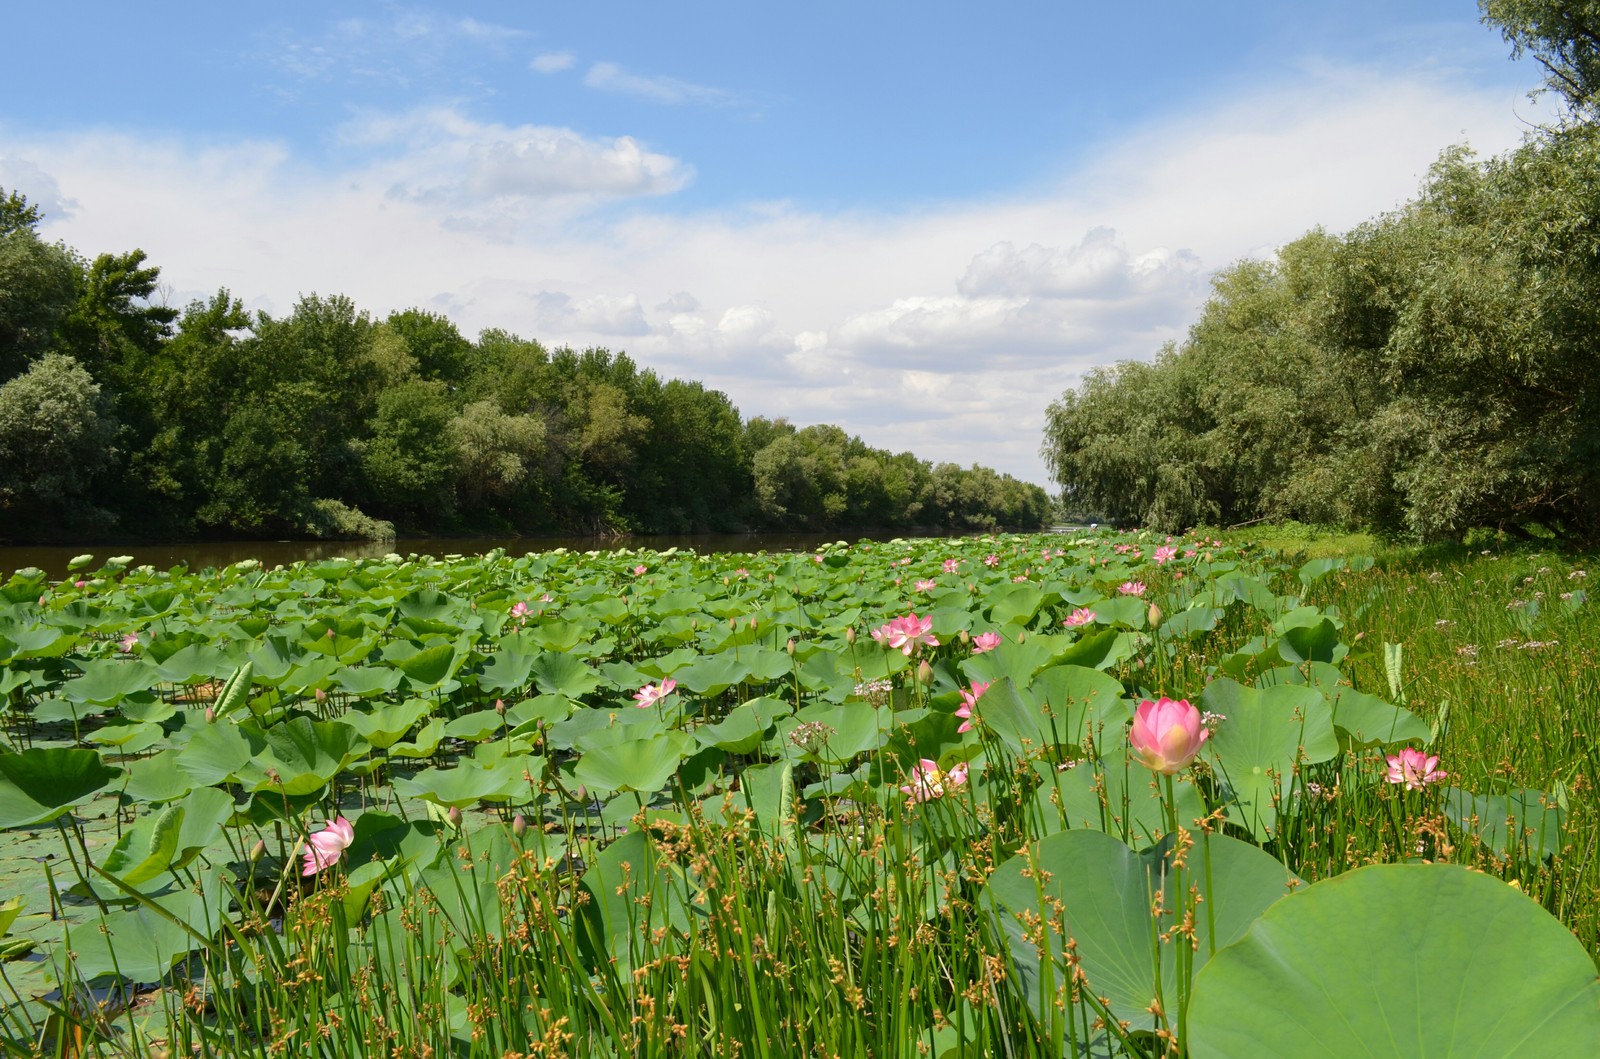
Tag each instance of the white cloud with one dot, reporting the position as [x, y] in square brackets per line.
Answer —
[43, 192]
[946, 330]
[609, 77]
[485, 173]
[553, 62]
[605, 315]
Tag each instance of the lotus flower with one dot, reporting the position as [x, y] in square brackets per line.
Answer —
[651, 694]
[952, 565]
[1163, 554]
[1167, 734]
[1414, 768]
[927, 782]
[519, 609]
[906, 633]
[969, 699]
[128, 643]
[1081, 616]
[1131, 588]
[927, 585]
[326, 848]
[985, 641]
[991, 560]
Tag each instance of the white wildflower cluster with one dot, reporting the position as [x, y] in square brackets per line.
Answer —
[810, 736]
[1577, 575]
[875, 692]
[1539, 645]
[1211, 720]
[1444, 623]
[1469, 651]
[1516, 604]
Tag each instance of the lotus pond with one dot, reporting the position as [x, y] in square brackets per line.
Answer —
[905, 798]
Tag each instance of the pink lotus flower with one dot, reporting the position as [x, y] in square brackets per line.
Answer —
[969, 699]
[741, 573]
[985, 641]
[906, 633]
[1189, 553]
[1019, 579]
[991, 560]
[927, 782]
[1081, 616]
[546, 598]
[1131, 588]
[519, 609]
[952, 565]
[326, 848]
[1414, 768]
[1163, 554]
[927, 586]
[651, 694]
[128, 643]
[640, 570]
[1167, 734]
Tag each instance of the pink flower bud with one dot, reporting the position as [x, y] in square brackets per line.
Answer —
[1167, 734]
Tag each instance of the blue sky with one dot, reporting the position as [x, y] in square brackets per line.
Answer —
[919, 221]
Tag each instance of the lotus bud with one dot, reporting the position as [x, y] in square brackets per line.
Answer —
[80, 584]
[964, 636]
[733, 624]
[1022, 635]
[582, 793]
[320, 695]
[258, 850]
[519, 825]
[790, 647]
[752, 621]
[454, 816]
[850, 636]
[924, 673]
[500, 707]
[211, 715]
[1154, 615]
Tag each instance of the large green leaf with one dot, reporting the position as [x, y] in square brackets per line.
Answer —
[643, 765]
[41, 783]
[560, 674]
[1410, 961]
[1114, 795]
[1261, 736]
[1088, 887]
[107, 681]
[468, 784]
[1520, 824]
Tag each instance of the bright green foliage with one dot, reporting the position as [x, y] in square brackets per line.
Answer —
[1432, 371]
[1401, 960]
[56, 433]
[1564, 35]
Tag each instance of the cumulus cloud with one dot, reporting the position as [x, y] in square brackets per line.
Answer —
[553, 62]
[946, 330]
[479, 170]
[609, 77]
[605, 315]
[19, 175]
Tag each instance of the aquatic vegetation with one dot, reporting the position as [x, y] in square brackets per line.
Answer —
[352, 807]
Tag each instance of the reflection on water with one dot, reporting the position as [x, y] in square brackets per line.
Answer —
[54, 560]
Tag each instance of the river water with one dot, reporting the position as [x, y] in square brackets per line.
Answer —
[53, 560]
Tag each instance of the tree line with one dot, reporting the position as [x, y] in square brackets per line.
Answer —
[1435, 370]
[122, 415]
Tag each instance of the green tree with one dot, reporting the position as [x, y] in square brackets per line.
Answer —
[56, 434]
[1563, 35]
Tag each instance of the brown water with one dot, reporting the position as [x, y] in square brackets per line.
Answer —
[54, 560]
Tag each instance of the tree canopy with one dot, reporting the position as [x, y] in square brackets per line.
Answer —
[118, 412]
